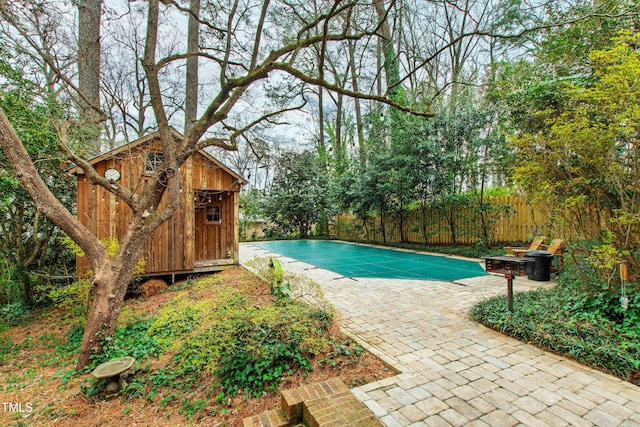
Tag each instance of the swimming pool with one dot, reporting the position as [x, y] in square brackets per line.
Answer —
[352, 260]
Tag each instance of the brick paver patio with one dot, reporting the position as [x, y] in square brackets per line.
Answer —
[455, 372]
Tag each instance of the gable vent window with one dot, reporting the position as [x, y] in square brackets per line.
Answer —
[153, 163]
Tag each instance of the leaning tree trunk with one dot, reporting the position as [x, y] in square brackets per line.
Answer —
[109, 289]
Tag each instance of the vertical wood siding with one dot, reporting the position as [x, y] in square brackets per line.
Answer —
[432, 226]
[178, 243]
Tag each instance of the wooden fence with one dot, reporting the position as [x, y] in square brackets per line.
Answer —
[501, 219]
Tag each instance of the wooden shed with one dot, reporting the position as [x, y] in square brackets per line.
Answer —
[202, 236]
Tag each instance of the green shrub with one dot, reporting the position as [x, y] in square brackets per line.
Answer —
[75, 297]
[266, 344]
[74, 339]
[250, 347]
[586, 325]
[10, 289]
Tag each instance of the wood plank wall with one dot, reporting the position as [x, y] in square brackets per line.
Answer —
[175, 245]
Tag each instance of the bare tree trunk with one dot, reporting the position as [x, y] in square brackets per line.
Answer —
[392, 72]
[323, 148]
[191, 100]
[89, 63]
[354, 85]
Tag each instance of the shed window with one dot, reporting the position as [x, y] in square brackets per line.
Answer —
[213, 215]
[153, 162]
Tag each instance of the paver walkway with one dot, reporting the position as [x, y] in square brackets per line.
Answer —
[455, 372]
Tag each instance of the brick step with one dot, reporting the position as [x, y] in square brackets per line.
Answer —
[338, 410]
[325, 404]
[273, 418]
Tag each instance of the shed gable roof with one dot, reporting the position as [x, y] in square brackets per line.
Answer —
[147, 139]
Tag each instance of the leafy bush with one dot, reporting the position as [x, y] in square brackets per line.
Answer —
[74, 297]
[74, 339]
[588, 325]
[251, 347]
[9, 287]
[267, 343]
[132, 340]
[11, 314]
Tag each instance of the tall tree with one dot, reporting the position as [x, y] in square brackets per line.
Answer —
[26, 235]
[297, 199]
[89, 13]
[193, 45]
[585, 161]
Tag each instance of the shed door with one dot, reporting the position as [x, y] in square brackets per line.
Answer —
[210, 223]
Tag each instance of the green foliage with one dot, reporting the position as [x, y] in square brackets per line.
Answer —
[112, 245]
[438, 162]
[132, 340]
[29, 243]
[74, 339]
[566, 49]
[191, 407]
[251, 348]
[298, 197]
[343, 354]
[251, 210]
[178, 319]
[12, 314]
[583, 322]
[583, 163]
[267, 344]
[10, 292]
[278, 288]
[74, 297]
[92, 387]
[249, 345]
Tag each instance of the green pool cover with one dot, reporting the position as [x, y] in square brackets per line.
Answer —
[365, 261]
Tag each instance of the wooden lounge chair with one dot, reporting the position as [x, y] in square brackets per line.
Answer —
[520, 251]
[556, 248]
